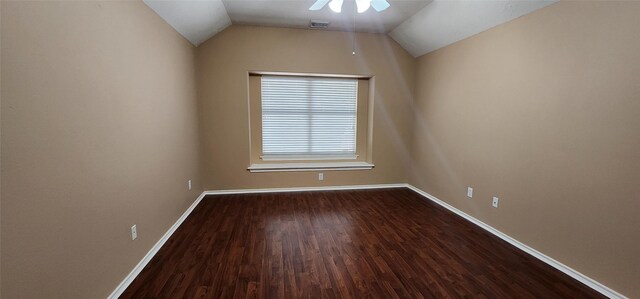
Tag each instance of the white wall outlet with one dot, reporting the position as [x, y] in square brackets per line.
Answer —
[495, 202]
[189, 184]
[134, 232]
[469, 192]
[321, 176]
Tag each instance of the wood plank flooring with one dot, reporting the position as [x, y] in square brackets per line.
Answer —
[388, 243]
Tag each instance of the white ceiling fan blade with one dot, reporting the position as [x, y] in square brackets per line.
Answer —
[319, 4]
[379, 5]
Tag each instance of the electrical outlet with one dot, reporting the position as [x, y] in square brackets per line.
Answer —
[134, 232]
[495, 202]
[469, 192]
[189, 183]
[321, 176]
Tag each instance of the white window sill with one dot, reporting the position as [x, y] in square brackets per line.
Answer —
[310, 166]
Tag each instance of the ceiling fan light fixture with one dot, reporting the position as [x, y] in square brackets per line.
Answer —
[363, 5]
[336, 5]
[380, 5]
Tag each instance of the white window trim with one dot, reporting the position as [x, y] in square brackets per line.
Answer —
[278, 167]
[264, 164]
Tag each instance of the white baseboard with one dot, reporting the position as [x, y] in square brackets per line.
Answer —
[602, 289]
[145, 260]
[558, 265]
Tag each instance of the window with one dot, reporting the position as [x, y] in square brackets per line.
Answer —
[308, 118]
[303, 122]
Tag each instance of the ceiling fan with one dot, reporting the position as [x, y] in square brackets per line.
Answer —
[363, 5]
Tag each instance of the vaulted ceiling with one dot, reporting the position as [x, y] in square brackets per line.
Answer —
[419, 26]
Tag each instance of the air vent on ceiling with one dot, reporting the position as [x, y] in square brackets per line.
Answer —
[318, 24]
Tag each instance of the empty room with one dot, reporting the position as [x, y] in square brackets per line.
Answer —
[319, 149]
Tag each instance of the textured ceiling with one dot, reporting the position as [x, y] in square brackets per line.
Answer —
[197, 21]
[419, 26]
[442, 23]
[296, 13]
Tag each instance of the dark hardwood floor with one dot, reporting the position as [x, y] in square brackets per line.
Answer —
[388, 243]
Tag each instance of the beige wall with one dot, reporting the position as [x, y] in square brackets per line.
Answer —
[223, 64]
[543, 113]
[99, 131]
[0, 156]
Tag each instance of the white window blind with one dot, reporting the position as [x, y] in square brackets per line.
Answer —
[308, 117]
